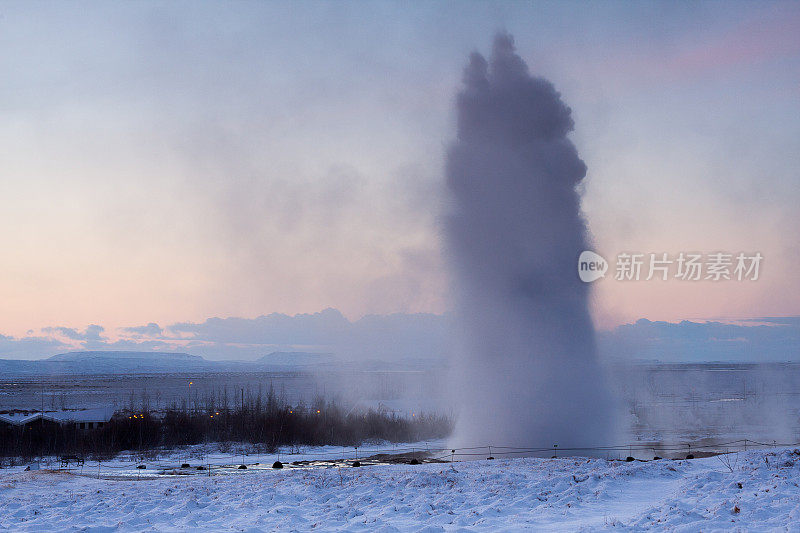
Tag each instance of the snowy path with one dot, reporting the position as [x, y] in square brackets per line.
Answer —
[504, 495]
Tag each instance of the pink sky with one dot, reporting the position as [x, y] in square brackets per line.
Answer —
[159, 168]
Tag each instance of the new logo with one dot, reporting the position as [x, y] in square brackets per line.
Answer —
[591, 266]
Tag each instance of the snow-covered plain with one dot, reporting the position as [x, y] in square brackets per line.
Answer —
[759, 492]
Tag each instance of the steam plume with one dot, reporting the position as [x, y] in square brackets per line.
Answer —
[528, 372]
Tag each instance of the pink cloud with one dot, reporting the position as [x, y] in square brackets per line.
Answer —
[752, 42]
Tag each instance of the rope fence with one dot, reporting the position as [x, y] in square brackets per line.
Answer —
[209, 466]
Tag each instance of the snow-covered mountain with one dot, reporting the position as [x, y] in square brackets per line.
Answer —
[108, 362]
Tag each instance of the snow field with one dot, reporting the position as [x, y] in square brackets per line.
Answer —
[565, 494]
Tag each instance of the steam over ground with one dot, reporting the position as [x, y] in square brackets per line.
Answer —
[526, 372]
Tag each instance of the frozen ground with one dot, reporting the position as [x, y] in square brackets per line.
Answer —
[758, 493]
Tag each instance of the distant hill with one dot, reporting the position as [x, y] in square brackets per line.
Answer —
[109, 362]
[295, 358]
[130, 362]
[127, 356]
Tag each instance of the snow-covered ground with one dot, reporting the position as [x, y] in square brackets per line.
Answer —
[759, 492]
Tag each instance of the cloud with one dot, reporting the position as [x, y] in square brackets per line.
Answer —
[753, 41]
[90, 334]
[70, 333]
[324, 327]
[151, 330]
[420, 336]
[388, 337]
[779, 321]
[749, 340]
[30, 347]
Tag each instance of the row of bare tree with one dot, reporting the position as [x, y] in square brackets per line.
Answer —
[270, 423]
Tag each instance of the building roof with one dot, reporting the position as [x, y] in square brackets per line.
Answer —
[19, 419]
[102, 414]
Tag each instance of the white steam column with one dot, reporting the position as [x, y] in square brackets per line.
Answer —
[526, 372]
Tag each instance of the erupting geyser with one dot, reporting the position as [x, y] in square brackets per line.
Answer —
[527, 373]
